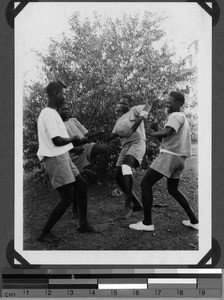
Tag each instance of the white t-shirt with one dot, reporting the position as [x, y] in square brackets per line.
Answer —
[129, 118]
[50, 125]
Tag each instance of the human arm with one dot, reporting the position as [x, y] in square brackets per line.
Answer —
[167, 131]
[101, 131]
[141, 115]
[174, 123]
[93, 134]
[60, 141]
[113, 136]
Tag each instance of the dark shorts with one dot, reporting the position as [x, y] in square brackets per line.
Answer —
[169, 165]
[60, 169]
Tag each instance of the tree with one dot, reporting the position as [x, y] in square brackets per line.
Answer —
[99, 61]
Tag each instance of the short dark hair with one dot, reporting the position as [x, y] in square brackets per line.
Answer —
[56, 86]
[178, 97]
[130, 100]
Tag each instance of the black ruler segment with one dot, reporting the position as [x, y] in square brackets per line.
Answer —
[25, 280]
[24, 286]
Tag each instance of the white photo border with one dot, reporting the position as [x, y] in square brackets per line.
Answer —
[204, 174]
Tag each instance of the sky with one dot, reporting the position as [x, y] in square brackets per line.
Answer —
[39, 21]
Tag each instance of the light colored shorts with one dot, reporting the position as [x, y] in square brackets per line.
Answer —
[169, 165]
[83, 160]
[60, 169]
[136, 149]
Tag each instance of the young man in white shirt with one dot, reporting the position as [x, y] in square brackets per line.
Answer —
[133, 149]
[175, 148]
[54, 144]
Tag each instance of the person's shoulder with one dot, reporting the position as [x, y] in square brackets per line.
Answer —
[44, 112]
[139, 106]
[178, 115]
[48, 110]
[50, 113]
[73, 120]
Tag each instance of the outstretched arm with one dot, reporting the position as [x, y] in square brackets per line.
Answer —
[113, 136]
[93, 134]
[143, 115]
[60, 141]
[160, 133]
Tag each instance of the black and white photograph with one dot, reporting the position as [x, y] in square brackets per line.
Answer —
[113, 133]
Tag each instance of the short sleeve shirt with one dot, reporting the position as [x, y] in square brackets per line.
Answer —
[132, 115]
[50, 125]
[179, 142]
[74, 127]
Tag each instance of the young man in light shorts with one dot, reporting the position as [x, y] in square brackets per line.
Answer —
[54, 145]
[175, 148]
[86, 152]
[133, 150]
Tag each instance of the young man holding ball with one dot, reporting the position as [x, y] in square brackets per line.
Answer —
[175, 148]
[130, 128]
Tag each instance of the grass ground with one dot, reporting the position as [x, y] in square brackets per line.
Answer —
[103, 212]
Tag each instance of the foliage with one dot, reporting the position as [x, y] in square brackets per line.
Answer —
[99, 61]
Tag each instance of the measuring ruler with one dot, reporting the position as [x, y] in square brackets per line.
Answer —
[96, 283]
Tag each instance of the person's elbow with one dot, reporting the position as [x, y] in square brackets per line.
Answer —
[168, 132]
[56, 141]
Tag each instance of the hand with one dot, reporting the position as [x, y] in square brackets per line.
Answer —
[75, 138]
[77, 151]
[103, 128]
[84, 140]
[147, 108]
[149, 130]
[154, 126]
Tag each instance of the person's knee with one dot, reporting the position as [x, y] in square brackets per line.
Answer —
[66, 201]
[126, 169]
[101, 149]
[146, 182]
[105, 148]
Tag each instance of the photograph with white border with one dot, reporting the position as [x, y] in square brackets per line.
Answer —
[101, 53]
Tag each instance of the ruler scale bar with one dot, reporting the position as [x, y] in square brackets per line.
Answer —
[82, 276]
[173, 280]
[108, 293]
[24, 286]
[194, 283]
[75, 286]
[24, 280]
[172, 286]
[112, 271]
[73, 281]
[122, 286]
[122, 280]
